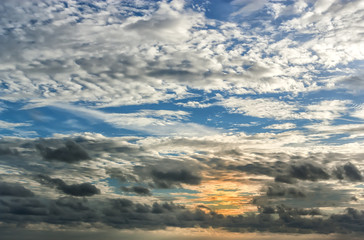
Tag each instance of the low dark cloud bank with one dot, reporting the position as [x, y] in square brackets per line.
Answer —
[126, 214]
[7, 151]
[296, 181]
[14, 190]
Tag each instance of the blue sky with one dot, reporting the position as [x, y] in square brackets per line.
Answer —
[201, 93]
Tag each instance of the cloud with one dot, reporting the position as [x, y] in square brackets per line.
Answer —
[349, 172]
[272, 60]
[8, 151]
[194, 104]
[285, 110]
[138, 190]
[14, 190]
[308, 171]
[303, 170]
[120, 175]
[319, 21]
[359, 112]
[284, 179]
[353, 82]
[75, 204]
[82, 189]
[279, 190]
[9, 125]
[196, 172]
[261, 107]
[70, 153]
[249, 7]
[282, 126]
[165, 49]
[166, 179]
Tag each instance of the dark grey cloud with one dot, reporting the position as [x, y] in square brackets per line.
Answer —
[120, 175]
[82, 189]
[166, 179]
[285, 179]
[289, 210]
[138, 190]
[263, 168]
[255, 168]
[70, 153]
[279, 190]
[303, 195]
[290, 172]
[349, 172]
[7, 151]
[17, 208]
[308, 171]
[76, 204]
[15, 190]
[352, 220]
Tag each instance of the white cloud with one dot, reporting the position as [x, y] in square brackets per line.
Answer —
[336, 30]
[261, 107]
[359, 112]
[327, 110]
[326, 130]
[194, 104]
[110, 56]
[11, 126]
[283, 126]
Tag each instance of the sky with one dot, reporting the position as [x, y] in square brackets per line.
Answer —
[181, 119]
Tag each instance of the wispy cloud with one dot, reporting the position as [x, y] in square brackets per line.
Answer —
[12, 126]
[155, 122]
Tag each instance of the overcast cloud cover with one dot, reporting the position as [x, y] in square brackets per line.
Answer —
[181, 119]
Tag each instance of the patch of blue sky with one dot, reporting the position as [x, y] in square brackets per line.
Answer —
[10, 111]
[115, 184]
[174, 154]
[217, 9]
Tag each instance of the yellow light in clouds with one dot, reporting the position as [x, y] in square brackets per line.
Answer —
[227, 195]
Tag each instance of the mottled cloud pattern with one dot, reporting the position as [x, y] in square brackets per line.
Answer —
[180, 119]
